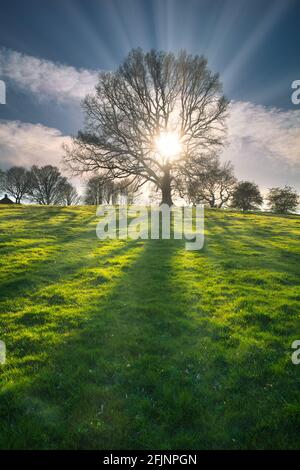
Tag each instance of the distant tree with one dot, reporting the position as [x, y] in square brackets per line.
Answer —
[47, 185]
[283, 200]
[101, 189]
[154, 195]
[16, 182]
[127, 189]
[149, 118]
[210, 182]
[70, 195]
[246, 196]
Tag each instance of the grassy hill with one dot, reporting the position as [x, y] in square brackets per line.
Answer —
[141, 344]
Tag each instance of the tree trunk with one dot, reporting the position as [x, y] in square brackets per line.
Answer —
[166, 188]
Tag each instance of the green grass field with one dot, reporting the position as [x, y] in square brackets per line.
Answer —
[141, 344]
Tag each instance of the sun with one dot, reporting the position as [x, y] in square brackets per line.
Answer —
[168, 144]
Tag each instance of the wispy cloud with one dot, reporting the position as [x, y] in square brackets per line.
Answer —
[46, 79]
[264, 144]
[25, 144]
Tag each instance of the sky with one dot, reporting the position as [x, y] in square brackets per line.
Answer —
[52, 50]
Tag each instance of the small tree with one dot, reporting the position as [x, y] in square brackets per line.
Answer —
[70, 195]
[47, 185]
[246, 196]
[16, 182]
[283, 200]
[101, 189]
[211, 182]
[127, 189]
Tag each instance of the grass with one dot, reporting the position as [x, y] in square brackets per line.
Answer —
[140, 344]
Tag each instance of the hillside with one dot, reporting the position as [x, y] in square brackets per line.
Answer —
[141, 344]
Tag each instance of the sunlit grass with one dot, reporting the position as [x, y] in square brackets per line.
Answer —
[141, 344]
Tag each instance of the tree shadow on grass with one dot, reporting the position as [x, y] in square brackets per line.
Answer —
[249, 244]
[55, 325]
[44, 262]
[149, 369]
[124, 379]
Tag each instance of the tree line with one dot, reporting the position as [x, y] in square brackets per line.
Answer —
[43, 185]
[46, 185]
[215, 187]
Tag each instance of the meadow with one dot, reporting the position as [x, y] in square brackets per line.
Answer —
[132, 344]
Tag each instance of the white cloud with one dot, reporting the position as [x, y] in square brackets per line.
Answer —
[27, 144]
[264, 144]
[46, 79]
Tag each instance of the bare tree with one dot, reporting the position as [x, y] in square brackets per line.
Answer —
[211, 183]
[151, 117]
[101, 189]
[47, 185]
[70, 195]
[16, 182]
[127, 189]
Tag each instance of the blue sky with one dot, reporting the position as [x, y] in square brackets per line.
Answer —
[51, 52]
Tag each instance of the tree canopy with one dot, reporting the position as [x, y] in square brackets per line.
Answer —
[246, 196]
[283, 200]
[151, 119]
